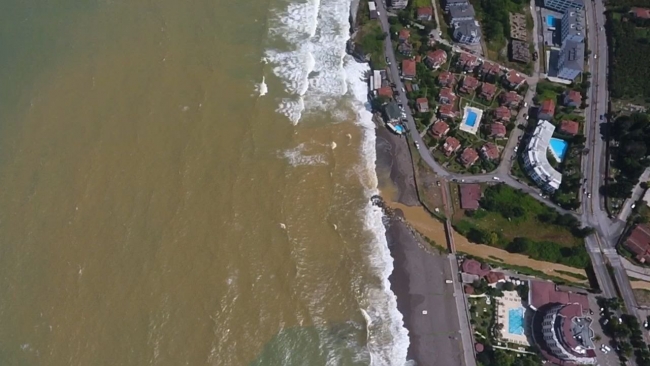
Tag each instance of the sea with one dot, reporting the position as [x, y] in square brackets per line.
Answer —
[188, 183]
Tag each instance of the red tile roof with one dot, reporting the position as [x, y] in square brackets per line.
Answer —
[574, 96]
[547, 108]
[422, 104]
[469, 157]
[472, 266]
[515, 79]
[448, 94]
[502, 113]
[510, 98]
[467, 60]
[408, 68]
[488, 90]
[641, 12]
[446, 110]
[494, 277]
[490, 151]
[570, 127]
[468, 289]
[639, 242]
[470, 83]
[498, 129]
[470, 195]
[543, 292]
[439, 128]
[385, 91]
[436, 58]
[445, 78]
[425, 11]
[404, 34]
[489, 68]
[451, 145]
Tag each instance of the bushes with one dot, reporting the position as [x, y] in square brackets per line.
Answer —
[633, 136]
[630, 70]
[549, 251]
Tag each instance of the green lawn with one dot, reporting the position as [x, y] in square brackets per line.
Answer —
[421, 3]
[481, 315]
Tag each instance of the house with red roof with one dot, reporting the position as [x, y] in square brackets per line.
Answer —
[640, 13]
[470, 196]
[570, 127]
[488, 91]
[446, 111]
[468, 157]
[470, 84]
[638, 242]
[495, 277]
[424, 13]
[404, 35]
[408, 69]
[450, 146]
[446, 78]
[498, 130]
[422, 105]
[435, 59]
[472, 266]
[510, 99]
[514, 80]
[572, 98]
[490, 151]
[467, 62]
[489, 71]
[385, 91]
[446, 96]
[546, 110]
[439, 129]
[502, 114]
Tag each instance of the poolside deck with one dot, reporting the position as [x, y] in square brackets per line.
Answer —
[510, 301]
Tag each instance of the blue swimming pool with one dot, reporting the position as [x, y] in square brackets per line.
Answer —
[558, 148]
[552, 21]
[399, 129]
[516, 321]
[471, 118]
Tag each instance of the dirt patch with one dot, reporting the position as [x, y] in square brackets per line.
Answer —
[641, 291]
[434, 230]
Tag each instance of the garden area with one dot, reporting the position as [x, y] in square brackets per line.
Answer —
[631, 136]
[369, 39]
[513, 220]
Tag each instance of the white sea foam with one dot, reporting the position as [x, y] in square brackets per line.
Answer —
[262, 88]
[300, 156]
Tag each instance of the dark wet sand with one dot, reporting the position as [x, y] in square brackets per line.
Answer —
[418, 279]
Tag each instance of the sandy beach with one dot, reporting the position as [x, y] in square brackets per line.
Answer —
[418, 278]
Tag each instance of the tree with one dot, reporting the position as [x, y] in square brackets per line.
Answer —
[508, 286]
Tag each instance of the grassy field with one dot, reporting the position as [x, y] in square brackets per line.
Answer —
[421, 3]
[481, 314]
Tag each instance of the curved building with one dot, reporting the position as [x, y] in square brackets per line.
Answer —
[568, 335]
[536, 162]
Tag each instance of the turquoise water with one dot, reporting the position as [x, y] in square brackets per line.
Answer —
[516, 321]
[558, 147]
[471, 118]
[551, 21]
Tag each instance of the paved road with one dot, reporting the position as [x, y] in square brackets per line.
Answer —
[636, 195]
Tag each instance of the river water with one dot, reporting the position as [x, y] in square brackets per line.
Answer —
[188, 183]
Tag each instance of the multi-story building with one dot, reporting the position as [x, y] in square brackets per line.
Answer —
[467, 31]
[571, 61]
[459, 14]
[452, 3]
[573, 25]
[536, 161]
[562, 5]
[398, 4]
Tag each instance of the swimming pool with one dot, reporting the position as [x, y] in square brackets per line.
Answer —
[516, 321]
[471, 118]
[551, 21]
[558, 148]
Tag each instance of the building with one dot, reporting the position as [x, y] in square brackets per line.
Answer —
[422, 105]
[510, 99]
[495, 277]
[435, 59]
[546, 110]
[536, 161]
[562, 324]
[640, 13]
[446, 96]
[639, 243]
[408, 69]
[514, 80]
[488, 91]
[458, 14]
[425, 13]
[404, 35]
[502, 114]
[439, 129]
[450, 146]
[468, 157]
[490, 151]
[452, 3]
[470, 84]
[489, 71]
[446, 111]
[398, 4]
[405, 49]
[372, 7]
[467, 31]
[571, 60]
[562, 5]
[572, 98]
[385, 92]
[467, 62]
[470, 196]
[498, 130]
[392, 112]
[519, 51]
[569, 127]
[446, 78]
[573, 25]
[376, 79]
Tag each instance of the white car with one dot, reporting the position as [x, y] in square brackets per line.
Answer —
[495, 178]
[595, 56]
[417, 145]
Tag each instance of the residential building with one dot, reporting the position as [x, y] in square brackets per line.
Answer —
[446, 111]
[571, 60]
[397, 4]
[405, 49]
[408, 69]
[570, 127]
[519, 51]
[460, 13]
[572, 98]
[404, 35]
[514, 80]
[510, 99]
[452, 3]
[470, 196]
[495, 277]
[425, 13]
[498, 130]
[573, 25]
[490, 151]
[435, 59]
[446, 78]
[450, 146]
[546, 110]
[489, 71]
[468, 157]
[470, 84]
[422, 105]
[392, 112]
[640, 13]
[639, 243]
[446, 96]
[467, 62]
[385, 92]
[467, 31]
[439, 129]
[502, 114]
[536, 160]
[372, 7]
[562, 5]
[376, 79]
[488, 91]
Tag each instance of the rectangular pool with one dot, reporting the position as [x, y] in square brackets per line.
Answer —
[516, 321]
[551, 21]
[471, 118]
